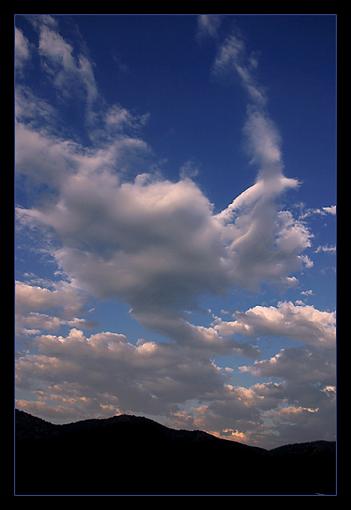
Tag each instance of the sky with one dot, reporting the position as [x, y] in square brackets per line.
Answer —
[176, 221]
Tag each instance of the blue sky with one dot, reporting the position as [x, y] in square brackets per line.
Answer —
[134, 134]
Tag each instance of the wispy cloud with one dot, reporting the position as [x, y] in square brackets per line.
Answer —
[63, 67]
[189, 169]
[208, 25]
[232, 57]
[22, 49]
[72, 74]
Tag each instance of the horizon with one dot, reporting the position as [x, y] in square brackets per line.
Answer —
[171, 428]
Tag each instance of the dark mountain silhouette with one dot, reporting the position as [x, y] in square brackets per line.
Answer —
[134, 455]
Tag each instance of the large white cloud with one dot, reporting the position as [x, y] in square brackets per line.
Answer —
[152, 242]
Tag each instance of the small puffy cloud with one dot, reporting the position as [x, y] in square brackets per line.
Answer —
[235, 435]
[307, 262]
[330, 210]
[326, 249]
[323, 211]
[291, 281]
[307, 293]
[330, 391]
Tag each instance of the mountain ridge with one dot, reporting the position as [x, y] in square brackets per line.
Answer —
[133, 454]
[141, 419]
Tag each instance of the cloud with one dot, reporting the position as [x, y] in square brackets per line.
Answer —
[307, 293]
[297, 364]
[233, 434]
[305, 259]
[148, 377]
[158, 245]
[65, 158]
[324, 211]
[265, 414]
[325, 249]
[46, 308]
[61, 65]
[189, 169]
[120, 118]
[44, 322]
[63, 296]
[33, 110]
[301, 322]
[305, 401]
[232, 58]
[22, 49]
[208, 25]
[263, 142]
[330, 210]
[154, 243]
[37, 20]
[151, 242]
[70, 71]
[262, 229]
[75, 376]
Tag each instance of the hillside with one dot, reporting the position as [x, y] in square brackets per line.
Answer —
[134, 455]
